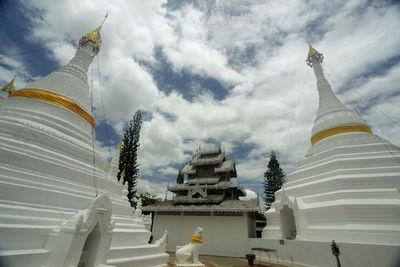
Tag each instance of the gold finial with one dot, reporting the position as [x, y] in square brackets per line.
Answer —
[311, 53]
[94, 36]
[9, 87]
[119, 146]
[122, 173]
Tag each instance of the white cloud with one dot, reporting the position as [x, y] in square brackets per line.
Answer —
[249, 195]
[212, 40]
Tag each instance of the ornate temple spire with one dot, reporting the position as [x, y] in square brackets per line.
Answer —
[119, 145]
[9, 87]
[94, 37]
[333, 117]
[67, 87]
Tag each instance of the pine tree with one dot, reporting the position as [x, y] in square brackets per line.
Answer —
[273, 180]
[180, 178]
[128, 160]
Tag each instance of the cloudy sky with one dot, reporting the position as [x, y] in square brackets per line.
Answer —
[211, 72]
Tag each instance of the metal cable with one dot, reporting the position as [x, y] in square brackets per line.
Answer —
[366, 99]
[359, 113]
[37, 49]
[93, 135]
[103, 107]
[295, 112]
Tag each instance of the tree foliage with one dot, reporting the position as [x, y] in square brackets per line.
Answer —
[128, 160]
[148, 199]
[180, 178]
[274, 177]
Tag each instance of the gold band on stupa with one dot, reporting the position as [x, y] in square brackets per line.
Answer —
[56, 100]
[196, 239]
[338, 130]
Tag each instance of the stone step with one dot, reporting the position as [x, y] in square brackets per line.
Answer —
[14, 191]
[123, 219]
[134, 225]
[16, 219]
[336, 181]
[133, 251]
[160, 259]
[26, 257]
[12, 208]
[23, 236]
[133, 237]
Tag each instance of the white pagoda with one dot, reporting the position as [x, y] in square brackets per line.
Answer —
[347, 186]
[60, 202]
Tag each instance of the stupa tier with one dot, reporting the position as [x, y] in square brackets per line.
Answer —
[59, 205]
[346, 187]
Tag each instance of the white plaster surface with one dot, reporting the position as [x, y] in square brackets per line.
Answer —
[56, 194]
[3, 97]
[346, 188]
[223, 235]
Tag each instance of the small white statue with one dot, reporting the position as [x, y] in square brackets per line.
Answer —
[183, 253]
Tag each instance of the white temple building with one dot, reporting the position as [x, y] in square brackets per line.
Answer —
[60, 202]
[345, 189]
[210, 199]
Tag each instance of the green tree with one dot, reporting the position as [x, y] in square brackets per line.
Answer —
[148, 199]
[274, 177]
[128, 160]
[180, 178]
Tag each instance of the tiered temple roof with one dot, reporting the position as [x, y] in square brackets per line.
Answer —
[208, 186]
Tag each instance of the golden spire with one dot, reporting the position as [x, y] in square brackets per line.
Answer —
[312, 51]
[119, 146]
[122, 173]
[94, 36]
[9, 87]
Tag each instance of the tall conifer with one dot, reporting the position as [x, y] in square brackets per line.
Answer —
[273, 180]
[180, 179]
[128, 160]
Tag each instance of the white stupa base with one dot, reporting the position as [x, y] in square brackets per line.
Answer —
[344, 189]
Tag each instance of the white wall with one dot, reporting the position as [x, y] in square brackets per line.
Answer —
[223, 235]
[312, 253]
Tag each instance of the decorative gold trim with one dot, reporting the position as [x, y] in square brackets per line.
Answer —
[56, 100]
[338, 130]
[312, 51]
[196, 239]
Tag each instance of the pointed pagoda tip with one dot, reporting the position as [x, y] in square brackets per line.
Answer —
[119, 146]
[9, 87]
[312, 52]
[94, 36]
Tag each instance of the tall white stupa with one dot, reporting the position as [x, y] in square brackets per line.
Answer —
[60, 202]
[347, 186]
